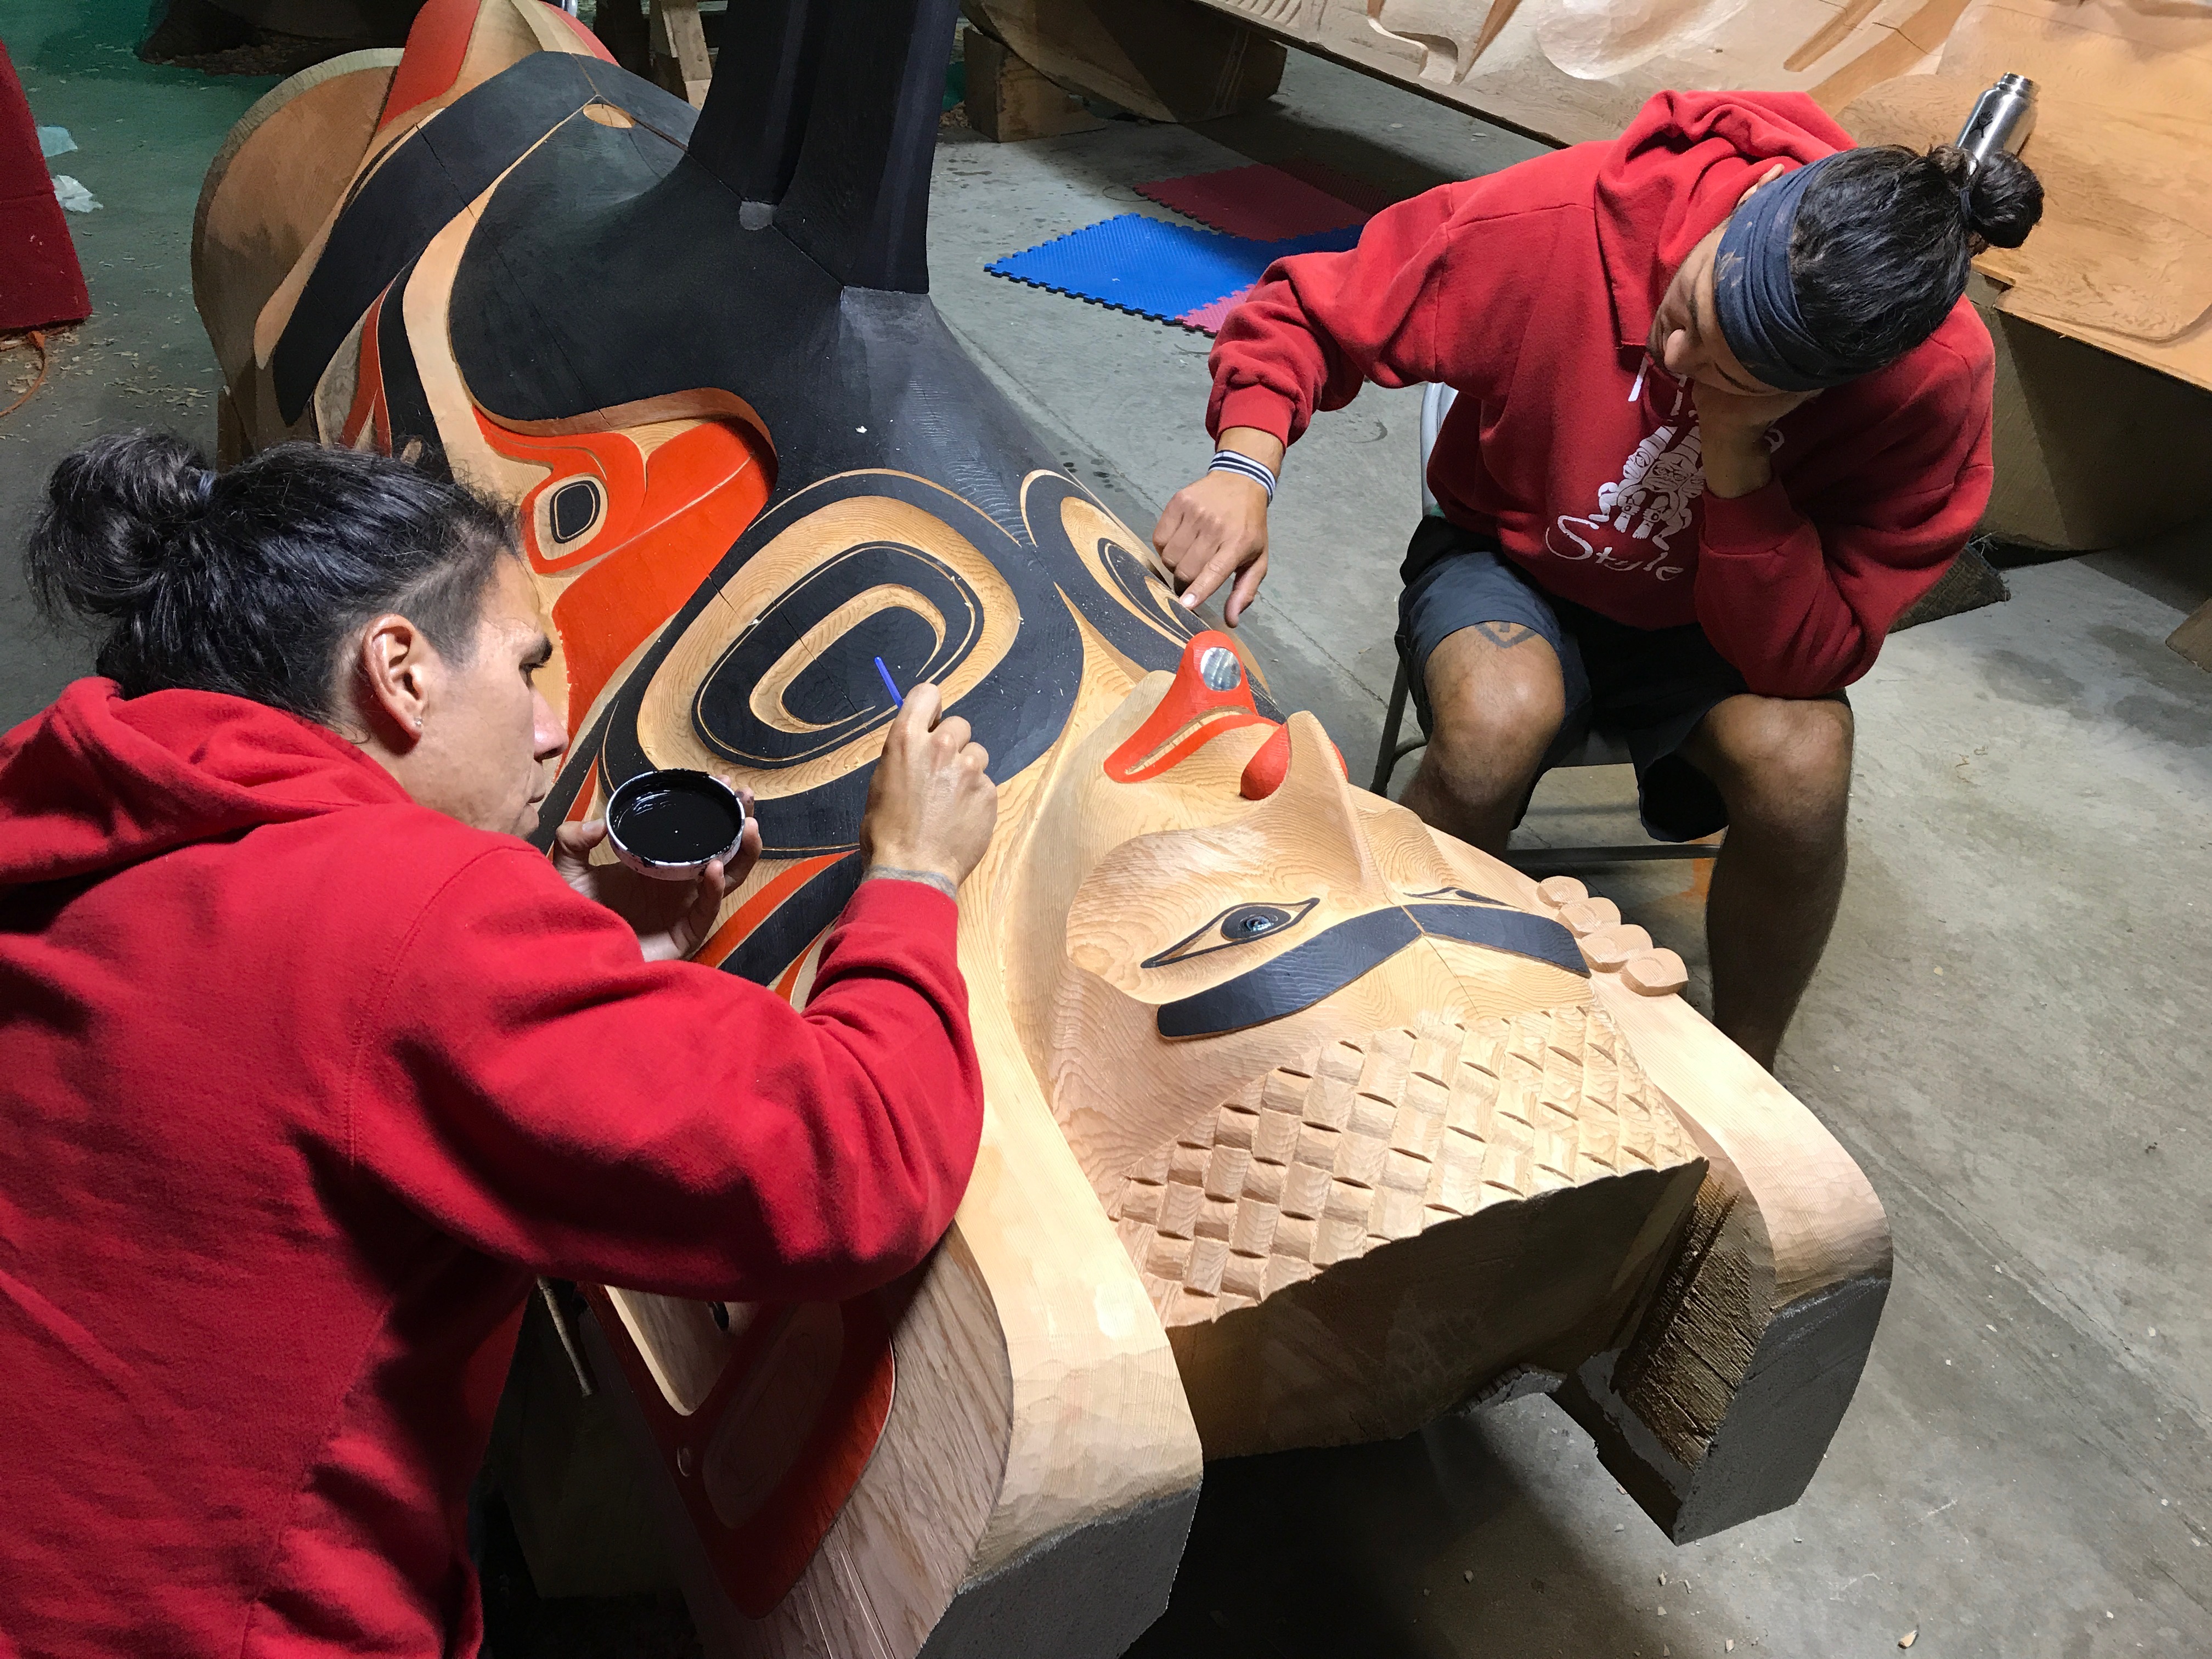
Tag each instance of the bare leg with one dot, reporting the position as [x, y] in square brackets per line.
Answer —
[1784, 769]
[1499, 699]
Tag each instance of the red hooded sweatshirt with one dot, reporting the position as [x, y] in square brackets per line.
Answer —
[299, 1083]
[1532, 291]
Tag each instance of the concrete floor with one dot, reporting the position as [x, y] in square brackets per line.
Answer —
[2007, 1032]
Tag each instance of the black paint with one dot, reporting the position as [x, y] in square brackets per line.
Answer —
[406, 405]
[575, 504]
[817, 320]
[1294, 981]
[755, 119]
[783, 936]
[858, 203]
[1502, 929]
[429, 179]
[1016, 712]
[1322, 966]
[839, 694]
[675, 816]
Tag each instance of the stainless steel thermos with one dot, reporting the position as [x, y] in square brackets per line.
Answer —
[2003, 117]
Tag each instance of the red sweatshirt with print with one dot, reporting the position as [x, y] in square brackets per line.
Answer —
[299, 1083]
[1532, 291]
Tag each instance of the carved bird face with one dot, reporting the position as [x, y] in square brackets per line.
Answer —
[1210, 938]
[1289, 996]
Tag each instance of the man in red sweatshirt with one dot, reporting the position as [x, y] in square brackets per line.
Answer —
[1723, 415]
[308, 1062]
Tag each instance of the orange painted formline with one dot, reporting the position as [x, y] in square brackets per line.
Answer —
[368, 381]
[437, 42]
[1210, 724]
[788, 982]
[580, 808]
[758, 908]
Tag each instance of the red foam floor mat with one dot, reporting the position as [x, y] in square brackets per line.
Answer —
[1259, 203]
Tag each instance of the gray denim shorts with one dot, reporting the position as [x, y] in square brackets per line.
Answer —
[1649, 686]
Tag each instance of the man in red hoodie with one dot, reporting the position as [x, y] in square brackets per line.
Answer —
[308, 1062]
[1723, 415]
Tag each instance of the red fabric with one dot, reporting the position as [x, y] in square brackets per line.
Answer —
[40, 283]
[303, 1083]
[1532, 291]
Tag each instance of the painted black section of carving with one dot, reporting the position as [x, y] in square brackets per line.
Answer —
[406, 406]
[859, 200]
[575, 505]
[839, 696]
[646, 223]
[1302, 976]
[790, 929]
[1501, 928]
[1322, 966]
[1131, 608]
[754, 119]
[849, 379]
[1456, 892]
[1241, 924]
[1017, 711]
[435, 173]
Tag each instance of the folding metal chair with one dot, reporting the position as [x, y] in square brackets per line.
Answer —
[1596, 749]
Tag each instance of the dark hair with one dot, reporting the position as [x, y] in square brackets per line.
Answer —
[1879, 249]
[254, 582]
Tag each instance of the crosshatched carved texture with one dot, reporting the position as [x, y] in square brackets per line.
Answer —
[1356, 1145]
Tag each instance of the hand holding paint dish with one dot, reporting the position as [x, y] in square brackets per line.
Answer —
[670, 824]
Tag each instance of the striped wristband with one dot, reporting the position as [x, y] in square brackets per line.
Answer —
[1228, 460]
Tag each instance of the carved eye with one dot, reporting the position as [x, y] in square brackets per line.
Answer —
[1241, 924]
[575, 507]
[1250, 922]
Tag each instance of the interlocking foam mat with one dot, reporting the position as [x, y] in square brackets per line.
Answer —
[1154, 269]
[1264, 203]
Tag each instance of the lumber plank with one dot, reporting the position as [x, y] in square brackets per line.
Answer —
[2193, 639]
[1167, 60]
[1010, 101]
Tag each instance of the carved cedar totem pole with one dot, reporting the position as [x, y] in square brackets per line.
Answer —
[1305, 1123]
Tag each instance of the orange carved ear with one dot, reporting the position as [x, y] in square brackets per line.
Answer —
[1211, 694]
[1271, 763]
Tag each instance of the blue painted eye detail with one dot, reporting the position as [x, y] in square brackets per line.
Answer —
[1250, 922]
[1241, 924]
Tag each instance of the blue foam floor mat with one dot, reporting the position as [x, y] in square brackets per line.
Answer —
[1138, 264]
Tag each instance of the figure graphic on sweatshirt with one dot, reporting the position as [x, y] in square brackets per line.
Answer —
[1653, 499]
[1732, 260]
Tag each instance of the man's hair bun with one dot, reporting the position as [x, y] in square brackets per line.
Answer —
[1885, 237]
[2004, 201]
[255, 583]
[2003, 198]
[114, 509]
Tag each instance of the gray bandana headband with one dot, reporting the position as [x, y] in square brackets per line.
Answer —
[1758, 302]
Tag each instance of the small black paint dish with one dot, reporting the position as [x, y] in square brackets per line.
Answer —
[671, 824]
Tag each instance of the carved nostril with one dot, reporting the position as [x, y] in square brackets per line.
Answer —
[1219, 669]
